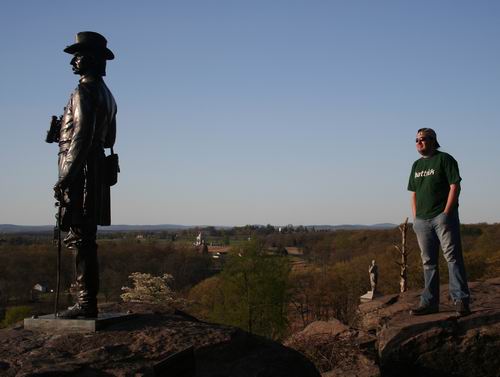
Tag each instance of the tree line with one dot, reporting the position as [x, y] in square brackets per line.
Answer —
[258, 289]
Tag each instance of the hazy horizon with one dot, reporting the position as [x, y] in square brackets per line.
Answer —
[382, 224]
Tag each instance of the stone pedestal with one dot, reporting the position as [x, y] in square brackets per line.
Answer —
[370, 295]
[80, 325]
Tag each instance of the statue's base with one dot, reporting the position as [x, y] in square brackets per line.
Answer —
[79, 325]
[370, 295]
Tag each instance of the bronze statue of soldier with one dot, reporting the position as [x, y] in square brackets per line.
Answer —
[87, 126]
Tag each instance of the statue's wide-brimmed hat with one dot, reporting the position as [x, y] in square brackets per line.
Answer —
[91, 41]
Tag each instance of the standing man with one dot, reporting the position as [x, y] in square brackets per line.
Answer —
[87, 127]
[435, 186]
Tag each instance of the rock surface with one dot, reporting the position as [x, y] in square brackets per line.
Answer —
[439, 344]
[389, 342]
[140, 346]
[336, 349]
[332, 328]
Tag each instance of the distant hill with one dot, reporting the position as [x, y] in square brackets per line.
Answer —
[353, 226]
[144, 228]
[11, 228]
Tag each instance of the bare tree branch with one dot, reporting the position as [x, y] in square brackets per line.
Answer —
[403, 251]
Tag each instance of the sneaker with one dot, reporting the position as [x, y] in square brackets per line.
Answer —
[424, 310]
[462, 308]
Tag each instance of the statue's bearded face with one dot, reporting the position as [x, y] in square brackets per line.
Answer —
[82, 63]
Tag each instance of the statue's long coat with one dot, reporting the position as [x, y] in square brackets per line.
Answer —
[88, 126]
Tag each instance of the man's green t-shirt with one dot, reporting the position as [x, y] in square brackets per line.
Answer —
[430, 179]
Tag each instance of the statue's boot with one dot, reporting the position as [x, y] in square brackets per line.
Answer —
[87, 275]
[78, 311]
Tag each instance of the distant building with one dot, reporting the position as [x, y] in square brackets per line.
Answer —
[292, 250]
[41, 287]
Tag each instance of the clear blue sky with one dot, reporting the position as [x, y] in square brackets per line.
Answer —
[237, 112]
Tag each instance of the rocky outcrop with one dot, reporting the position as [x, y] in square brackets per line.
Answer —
[439, 344]
[389, 342]
[154, 343]
[336, 349]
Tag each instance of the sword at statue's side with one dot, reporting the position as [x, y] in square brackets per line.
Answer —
[53, 137]
[57, 241]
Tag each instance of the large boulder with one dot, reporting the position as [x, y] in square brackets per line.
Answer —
[440, 344]
[336, 349]
[331, 328]
[154, 343]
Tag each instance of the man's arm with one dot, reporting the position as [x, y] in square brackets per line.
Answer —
[84, 123]
[413, 198]
[111, 134]
[452, 198]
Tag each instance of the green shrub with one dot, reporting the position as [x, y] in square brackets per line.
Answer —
[15, 314]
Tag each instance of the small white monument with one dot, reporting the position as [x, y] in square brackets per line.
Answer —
[373, 272]
[199, 239]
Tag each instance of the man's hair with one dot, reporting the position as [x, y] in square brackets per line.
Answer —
[431, 134]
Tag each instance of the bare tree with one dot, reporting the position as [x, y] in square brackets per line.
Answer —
[403, 252]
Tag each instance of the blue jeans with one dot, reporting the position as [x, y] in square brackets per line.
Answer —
[441, 230]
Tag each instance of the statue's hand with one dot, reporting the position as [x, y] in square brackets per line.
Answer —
[58, 192]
